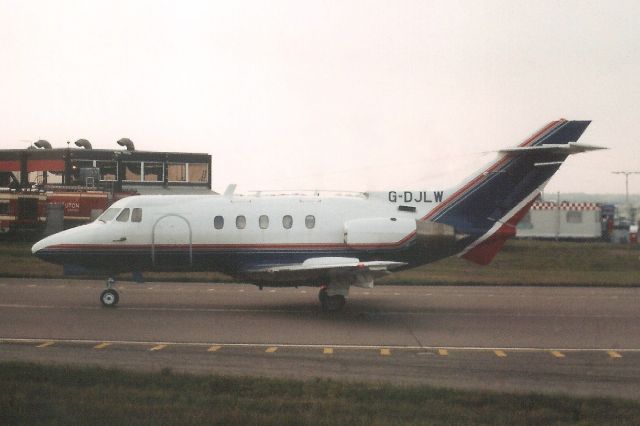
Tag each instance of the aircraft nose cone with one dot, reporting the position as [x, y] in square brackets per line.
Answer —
[37, 247]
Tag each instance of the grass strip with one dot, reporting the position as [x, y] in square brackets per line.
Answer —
[40, 394]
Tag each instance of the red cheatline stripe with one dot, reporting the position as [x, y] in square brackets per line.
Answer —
[230, 246]
[539, 133]
[499, 163]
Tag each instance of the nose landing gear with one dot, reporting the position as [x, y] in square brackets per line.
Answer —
[109, 297]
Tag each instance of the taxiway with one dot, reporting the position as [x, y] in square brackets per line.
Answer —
[578, 340]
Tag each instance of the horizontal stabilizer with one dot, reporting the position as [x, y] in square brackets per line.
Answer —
[568, 149]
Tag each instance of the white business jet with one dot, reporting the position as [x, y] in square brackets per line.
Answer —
[331, 241]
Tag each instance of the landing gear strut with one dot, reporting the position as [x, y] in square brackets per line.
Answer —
[109, 297]
[331, 303]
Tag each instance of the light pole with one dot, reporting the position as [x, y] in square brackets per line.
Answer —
[626, 179]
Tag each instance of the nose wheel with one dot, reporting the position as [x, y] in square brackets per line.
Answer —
[109, 297]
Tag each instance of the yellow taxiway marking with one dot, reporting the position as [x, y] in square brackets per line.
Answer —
[385, 351]
[443, 352]
[501, 354]
[271, 349]
[327, 351]
[158, 348]
[45, 344]
[101, 345]
[614, 354]
[214, 348]
[557, 354]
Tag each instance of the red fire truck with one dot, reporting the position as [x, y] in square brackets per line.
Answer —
[27, 210]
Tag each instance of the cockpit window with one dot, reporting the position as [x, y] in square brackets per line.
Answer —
[123, 216]
[136, 215]
[109, 214]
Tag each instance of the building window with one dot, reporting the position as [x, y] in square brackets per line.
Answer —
[153, 172]
[136, 215]
[177, 172]
[263, 221]
[310, 221]
[241, 222]
[123, 216]
[287, 222]
[108, 170]
[132, 171]
[198, 172]
[218, 222]
[4, 208]
[574, 217]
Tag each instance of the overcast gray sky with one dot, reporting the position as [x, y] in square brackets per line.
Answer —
[356, 95]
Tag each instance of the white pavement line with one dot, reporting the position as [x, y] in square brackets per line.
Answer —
[320, 345]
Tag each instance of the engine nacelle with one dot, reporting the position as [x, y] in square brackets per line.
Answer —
[377, 230]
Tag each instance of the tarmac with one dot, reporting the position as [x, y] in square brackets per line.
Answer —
[573, 340]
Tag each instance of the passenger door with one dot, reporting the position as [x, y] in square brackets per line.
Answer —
[171, 243]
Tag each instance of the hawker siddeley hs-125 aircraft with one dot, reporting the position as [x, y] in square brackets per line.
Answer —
[330, 241]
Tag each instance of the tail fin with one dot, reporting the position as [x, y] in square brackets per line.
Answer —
[488, 206]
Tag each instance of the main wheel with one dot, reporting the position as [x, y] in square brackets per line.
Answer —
[109, 298]
[331, 303]
[336, 303]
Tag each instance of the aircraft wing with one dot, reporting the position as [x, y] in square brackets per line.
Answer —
[328, 269]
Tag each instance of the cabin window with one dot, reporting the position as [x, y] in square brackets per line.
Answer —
[109, 214]
[287, 222]
[218, 222]
[136, 215]
[241, 222]
[263, 221]
[123, 216]
[574, 217]
[310, 221]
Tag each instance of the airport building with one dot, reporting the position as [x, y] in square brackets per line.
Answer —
[79, 183]
[118, 170]
[549, 220]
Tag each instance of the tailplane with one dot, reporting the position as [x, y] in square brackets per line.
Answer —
[488, 206]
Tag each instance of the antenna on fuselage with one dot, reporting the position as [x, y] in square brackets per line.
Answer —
[228, 193]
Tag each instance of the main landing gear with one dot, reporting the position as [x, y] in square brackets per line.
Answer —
[109, 297]
[331, 303]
